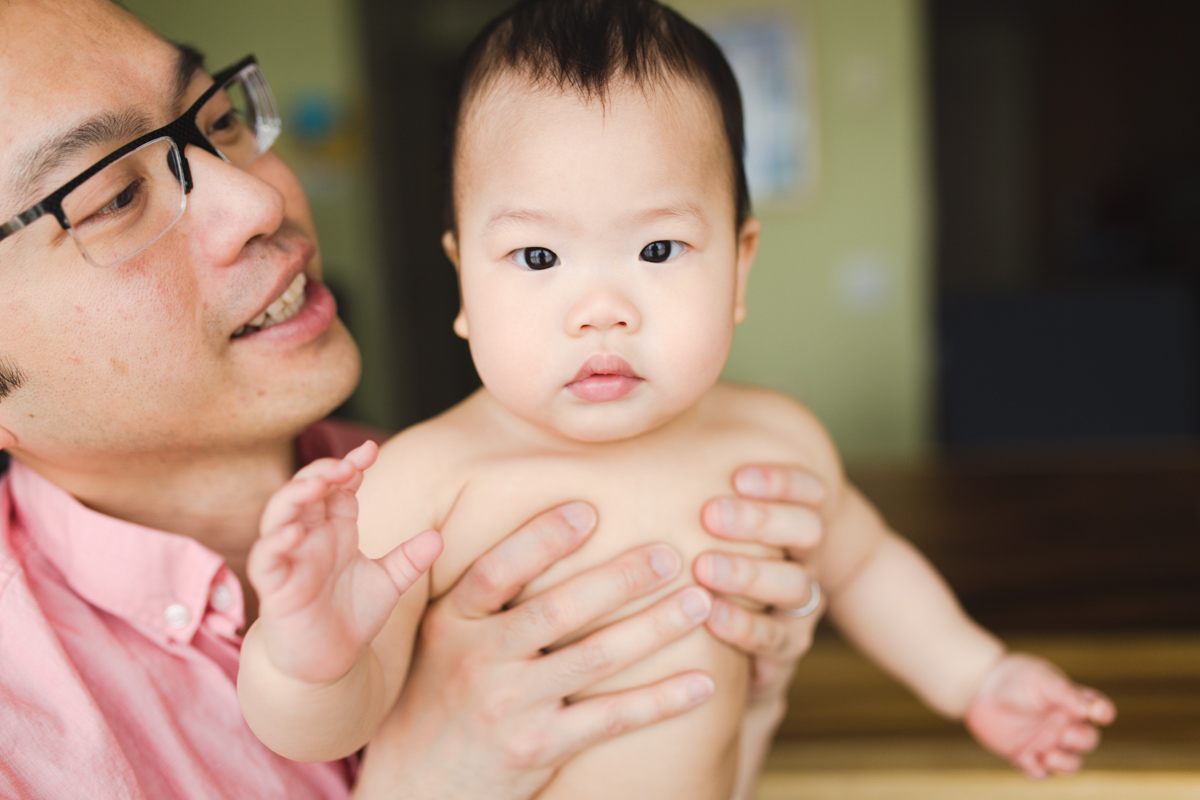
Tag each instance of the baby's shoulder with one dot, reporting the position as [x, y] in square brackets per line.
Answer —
[762, 412]
[429, 451]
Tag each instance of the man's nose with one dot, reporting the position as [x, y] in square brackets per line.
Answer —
[603, 308]
[229, 207]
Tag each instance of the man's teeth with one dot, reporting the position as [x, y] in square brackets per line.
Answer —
[286, 306]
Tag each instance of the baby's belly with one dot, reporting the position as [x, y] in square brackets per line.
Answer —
[694, 756]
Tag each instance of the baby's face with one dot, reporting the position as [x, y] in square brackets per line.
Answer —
[601, 271]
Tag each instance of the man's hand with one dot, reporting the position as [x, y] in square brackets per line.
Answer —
[779, 507]
[322, 601]
[483, 712]
[1029, 713]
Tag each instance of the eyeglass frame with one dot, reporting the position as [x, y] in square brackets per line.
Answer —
[182, 131]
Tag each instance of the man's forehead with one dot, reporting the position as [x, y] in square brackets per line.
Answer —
[90, 65]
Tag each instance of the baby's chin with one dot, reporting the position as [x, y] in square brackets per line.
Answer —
[603, 423]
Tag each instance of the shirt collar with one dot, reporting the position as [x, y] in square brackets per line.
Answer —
[158, 581]
[162, 583]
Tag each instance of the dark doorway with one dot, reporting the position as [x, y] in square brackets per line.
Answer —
[1068, 176]
[412, 49]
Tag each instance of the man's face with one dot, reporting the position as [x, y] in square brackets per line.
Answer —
[142, 358]
[601, 271]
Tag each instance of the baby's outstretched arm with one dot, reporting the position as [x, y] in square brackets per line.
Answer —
[892, 603]
[310, 684]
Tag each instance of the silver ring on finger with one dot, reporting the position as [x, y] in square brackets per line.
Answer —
[808, 608]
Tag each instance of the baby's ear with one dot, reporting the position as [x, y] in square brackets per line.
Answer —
[747, 248]
[450, 245]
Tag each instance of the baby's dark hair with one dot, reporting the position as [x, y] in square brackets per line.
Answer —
[583, 46]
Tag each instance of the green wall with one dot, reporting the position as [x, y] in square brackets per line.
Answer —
[840, 297]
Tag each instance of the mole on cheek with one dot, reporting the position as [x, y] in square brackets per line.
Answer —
[119, 366]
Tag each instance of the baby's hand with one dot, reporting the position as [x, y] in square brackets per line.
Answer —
[321, 600]
[1030, 714]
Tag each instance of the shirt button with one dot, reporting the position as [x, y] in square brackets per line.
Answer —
[177, 615]
[221, 598]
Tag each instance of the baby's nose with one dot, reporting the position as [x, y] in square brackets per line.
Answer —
[603, 309]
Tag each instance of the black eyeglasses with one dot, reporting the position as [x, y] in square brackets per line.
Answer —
[125, 201]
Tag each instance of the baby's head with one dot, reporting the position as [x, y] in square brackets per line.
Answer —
[599, 214]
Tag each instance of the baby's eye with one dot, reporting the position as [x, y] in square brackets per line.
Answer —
[662, 252]
[536, 258]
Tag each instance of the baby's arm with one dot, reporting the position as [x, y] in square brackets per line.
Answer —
[898, 610]
[311, 684]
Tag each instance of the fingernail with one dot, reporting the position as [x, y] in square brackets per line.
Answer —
[664, 561]
[727, 514]
[700, 688]
[720, 614]
[750, 482]
[721, 568]
[696, 604]
[812, 488]
[579, 516]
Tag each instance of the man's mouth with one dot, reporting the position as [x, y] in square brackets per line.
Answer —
[281, 309]
[603, 378]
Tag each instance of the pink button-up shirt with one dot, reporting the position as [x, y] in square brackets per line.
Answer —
[119, 653]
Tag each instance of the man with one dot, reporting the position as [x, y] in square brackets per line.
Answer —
[165, 348]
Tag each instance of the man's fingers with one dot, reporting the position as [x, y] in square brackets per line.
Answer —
[605, 717]
[500, 574]
[408, 561]
[759, 634]
[783, 584]
[779, 484]
[610, 650]
[793, 527]
[540, 621]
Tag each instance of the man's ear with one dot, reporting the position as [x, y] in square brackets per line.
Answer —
[748, 238]
[450, 245]
[7, 438]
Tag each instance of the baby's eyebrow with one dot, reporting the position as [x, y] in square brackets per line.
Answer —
[681, 211]
[519, 215]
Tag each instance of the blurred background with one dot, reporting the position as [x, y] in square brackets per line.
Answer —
[981, 246]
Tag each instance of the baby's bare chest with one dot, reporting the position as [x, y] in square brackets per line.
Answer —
[642, 495]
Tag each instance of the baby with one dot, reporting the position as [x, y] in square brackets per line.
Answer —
[601, 233]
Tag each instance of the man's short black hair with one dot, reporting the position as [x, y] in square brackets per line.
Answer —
[583, 46]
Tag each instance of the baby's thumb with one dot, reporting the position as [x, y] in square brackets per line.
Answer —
[409, 561]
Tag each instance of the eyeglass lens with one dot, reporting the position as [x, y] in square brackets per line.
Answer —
[129, 204]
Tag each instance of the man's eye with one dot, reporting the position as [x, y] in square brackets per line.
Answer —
[536, 258]
[123, 199]
[662, 252]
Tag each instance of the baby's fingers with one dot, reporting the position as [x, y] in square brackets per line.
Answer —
[1080, 702]
[1079, 738]
[285, 505]
[408, 562]
[269, 563]
[1059, 762]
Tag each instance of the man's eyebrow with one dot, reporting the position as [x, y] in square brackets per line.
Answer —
[188, 61]
[38, 161]
[113, 127]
